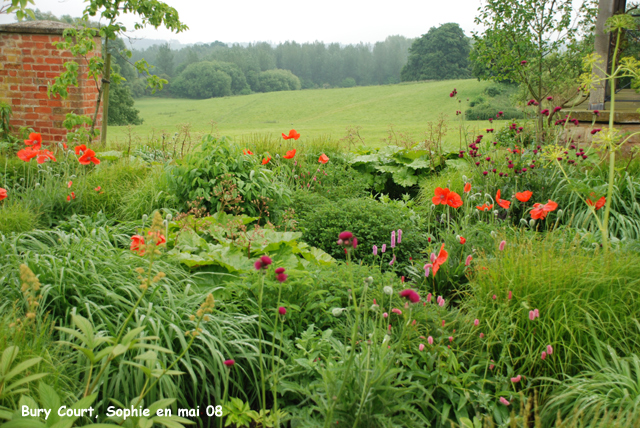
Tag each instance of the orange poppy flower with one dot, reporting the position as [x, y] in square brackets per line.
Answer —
[485, 207]
[3, 193]
[43, 155]
[598, 204]
[247, 152]
[80, 149]
[292, 134]
[446, 197]
[540, 211]
[137, 244]
[266, 160]
[516, 150]
[34, 140]
[27, 154]
[504, 204]
[323, 158]
[290, 154]
[524, 196]
[71, 196]
[467, 187]
[439, 261]
[159, 237]
[88, 157]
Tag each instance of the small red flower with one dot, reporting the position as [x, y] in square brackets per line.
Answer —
[467, 187]
[463, 240]
[598, 204]
[3, 193]
[442, 257]
[323, 159]
[504, 204]
[290, 154]
[69, 184]
[485, 207]
[229, 363]
[540, 211]
[35, 140]
[87, 157]
[411, 295]
[524, 196]
[292, 134]
[137, 244]
[266, 160]
[80, 149]
[97, 189]
[247, 152]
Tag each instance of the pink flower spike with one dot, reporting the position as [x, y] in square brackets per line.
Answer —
[69, 184]
[504, 401]
[510, 295]
[385, 315]
[396, 311]
[544, 355]
[384, 248]
[399, 236]
[468, 261]
[450, 338]
[430, 340]
[441, 304]
[375, 250]
[536, 313]
[393, 239]
[433, 257]
[421, 347]
[549, 349]
[476, 322]
[443, 323]
[501, 246]
[494, 297]
[389, 327]
[532, 315]
[481, 335]
[516, 379]
[429, 296]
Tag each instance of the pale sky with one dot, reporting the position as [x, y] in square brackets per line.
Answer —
[275, 21]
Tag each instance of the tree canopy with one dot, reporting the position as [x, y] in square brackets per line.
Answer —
[442, 53]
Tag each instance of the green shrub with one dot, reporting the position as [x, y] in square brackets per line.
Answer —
[371, 222]
[224, 179]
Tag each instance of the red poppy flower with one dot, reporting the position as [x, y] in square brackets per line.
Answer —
[598, 204]
[504, 204]
[97, 189]
[137, 244]
[323, 159]
[290, 154]
[27, 154]
[540, 211]
[88, 157]
[3, 193]
[463, 240]
[69, 184]
[292, 134]
[160, 239]
[467, 187]
[446, 197]
[524, 196]
[80, 149]
[266, 160]
[34, 140]
[71, 196]
[247, 152]
[442, 257]
[43, 155]
[484, 207]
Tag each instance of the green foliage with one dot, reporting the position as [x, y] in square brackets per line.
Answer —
[202, 80]
[607, 388]
[495, 99]
[225, 241]
[440, 54]
[372, 223]
[238, 413]
[226, 180]
[121, 110]
[278, 80]
[16, 216]
[395, 170]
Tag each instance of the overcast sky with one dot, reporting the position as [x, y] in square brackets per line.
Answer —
[342, 21]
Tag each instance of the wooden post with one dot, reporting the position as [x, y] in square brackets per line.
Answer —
[105, 102]
[602, 47]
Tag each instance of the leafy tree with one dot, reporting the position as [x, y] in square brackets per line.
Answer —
[537, 43]
[121, 110]
[442, 53]
[202, 80]
[165, 60]
[81, 42]
[19, 7]
[278, 80]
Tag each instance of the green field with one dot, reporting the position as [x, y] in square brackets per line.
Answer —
[318, 113]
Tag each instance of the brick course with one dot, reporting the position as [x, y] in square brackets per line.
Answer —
[29, 61]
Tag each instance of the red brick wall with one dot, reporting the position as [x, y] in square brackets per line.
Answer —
[28, 63]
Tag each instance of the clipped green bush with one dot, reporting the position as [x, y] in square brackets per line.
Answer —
[372, 223]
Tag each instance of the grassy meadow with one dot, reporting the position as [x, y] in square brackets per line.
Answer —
[316, 113]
